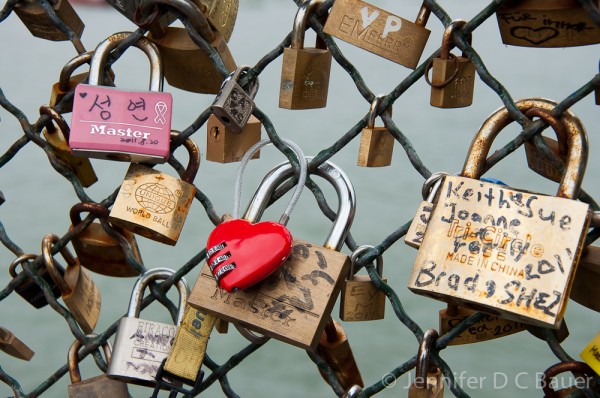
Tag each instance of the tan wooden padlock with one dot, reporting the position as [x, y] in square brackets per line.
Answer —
[11, 345]
[376, 143]
[98, 386]
[453, 78]
[78, 291]
[303, 290]
[224, 146]
[188, 66]
[418, 226]
[221, 14]
[360, 299]
[505, 251]
[58, 138]
[154, 204]
[428, 381]
[96, 249]
[378, 31]
[39, 23]
[305, 70]
[546, 23]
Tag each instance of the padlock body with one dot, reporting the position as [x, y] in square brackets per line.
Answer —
[291, 305]
[81, 167]
[546, 23]
[376, 147]
[223, 146]
[139, 348]
[540, 163]
[458, 92]
[152, 204]
[33, 294]
[221, 14]
[40, 25]
[128, 9]
[187, 66]
[11, 345]
[587, 278]
[336, 351]
[57, 94]
[500, 250]
[84, 298]
[98, 252]
[416, 231]
[131, 126]
[361, 300]
[304, 78]
[434, 389]
[233, 106]
[377, 31]
[98, 387]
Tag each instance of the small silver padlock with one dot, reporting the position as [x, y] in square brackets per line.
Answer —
[141, 345]
[233, 105]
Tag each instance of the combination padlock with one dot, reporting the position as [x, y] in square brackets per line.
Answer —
[376, 143]
[39, 23]
[30, 290]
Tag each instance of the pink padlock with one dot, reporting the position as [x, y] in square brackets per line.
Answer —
[130, 126]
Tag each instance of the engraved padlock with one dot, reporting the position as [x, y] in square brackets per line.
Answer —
[233, 106]
[39, 23]
[453, 77]
[13, 346]
[546, 23]
[109, 123]
[376, 143]
[378, 31]
[582, 372]
[153, 204]
[360, 300]
[29, 289]
[67, 82]
[305, 70]
[98, 386]
[416, 231]
[505, 251]
[141, 345]
[224, 146]
[187, 66]
[58, 136]
[221, 14]
[428, 381]
[96, 249]
[303, 290]
[78, 291]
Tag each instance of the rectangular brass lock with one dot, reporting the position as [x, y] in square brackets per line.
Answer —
[459, 90]
[539, 163]
[223, 146]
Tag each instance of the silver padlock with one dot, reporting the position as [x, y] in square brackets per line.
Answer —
[233, 105]
[141, 345]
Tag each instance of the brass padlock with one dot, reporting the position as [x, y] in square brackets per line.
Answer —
[141, 345]
[305, 70]
[304, 289]
[99, 386]
[546, 23]
[188, 66]
[505, 251]
[221, 14]
[11, 345]
[67, 82]
[224, 146]
[78, 291]
[376, 143]
[453, 78]
[587, 278]
[58, 137]
[96, 249]
[154, 204]
[582, 372]
[418, 226]
[429, 381]
[39, 23]
[378, 31]
[233, 106]
[360, 299]
[30, 290]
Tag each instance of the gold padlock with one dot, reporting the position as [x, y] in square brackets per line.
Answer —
[11, 345]
[186, 65]
[58, 138]
[221, 14]
[378, 31]
[360, 299]
[305, 71]
[504, 251]
[428, 378]
[96, 249]
[376, 143]
[154, 204]
[224, 146]
[453, 78]
[39, 23]
[78, 291]
[546, 23]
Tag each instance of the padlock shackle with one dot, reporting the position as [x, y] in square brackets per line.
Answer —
[90, 207]
[448, 38]
[373, 110]
[154, 274]
[101, 53]
[12, 269]
[423, 364]
[47, 243]
[187, 8]
[330, 172]
[432, 185]
[354, 257]
[577, 141]
[236, 74]
[73, 353]
[300, 22]
[194, 158]
[557, 126]
[562, 367]
[423, 15]
[70, 67]
[57, 118]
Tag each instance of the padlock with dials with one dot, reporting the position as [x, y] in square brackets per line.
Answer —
[29, 289]
[429, 382]
[376, 143]
[39, 23]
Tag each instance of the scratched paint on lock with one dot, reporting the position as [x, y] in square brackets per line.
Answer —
[507, 252]
[109, 121]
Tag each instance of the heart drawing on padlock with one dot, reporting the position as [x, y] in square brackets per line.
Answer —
[534, 35]
[241, 254]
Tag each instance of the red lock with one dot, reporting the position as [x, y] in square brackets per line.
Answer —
[241, 254]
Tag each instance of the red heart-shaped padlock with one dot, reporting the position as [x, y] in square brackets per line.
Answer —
[241, 254]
